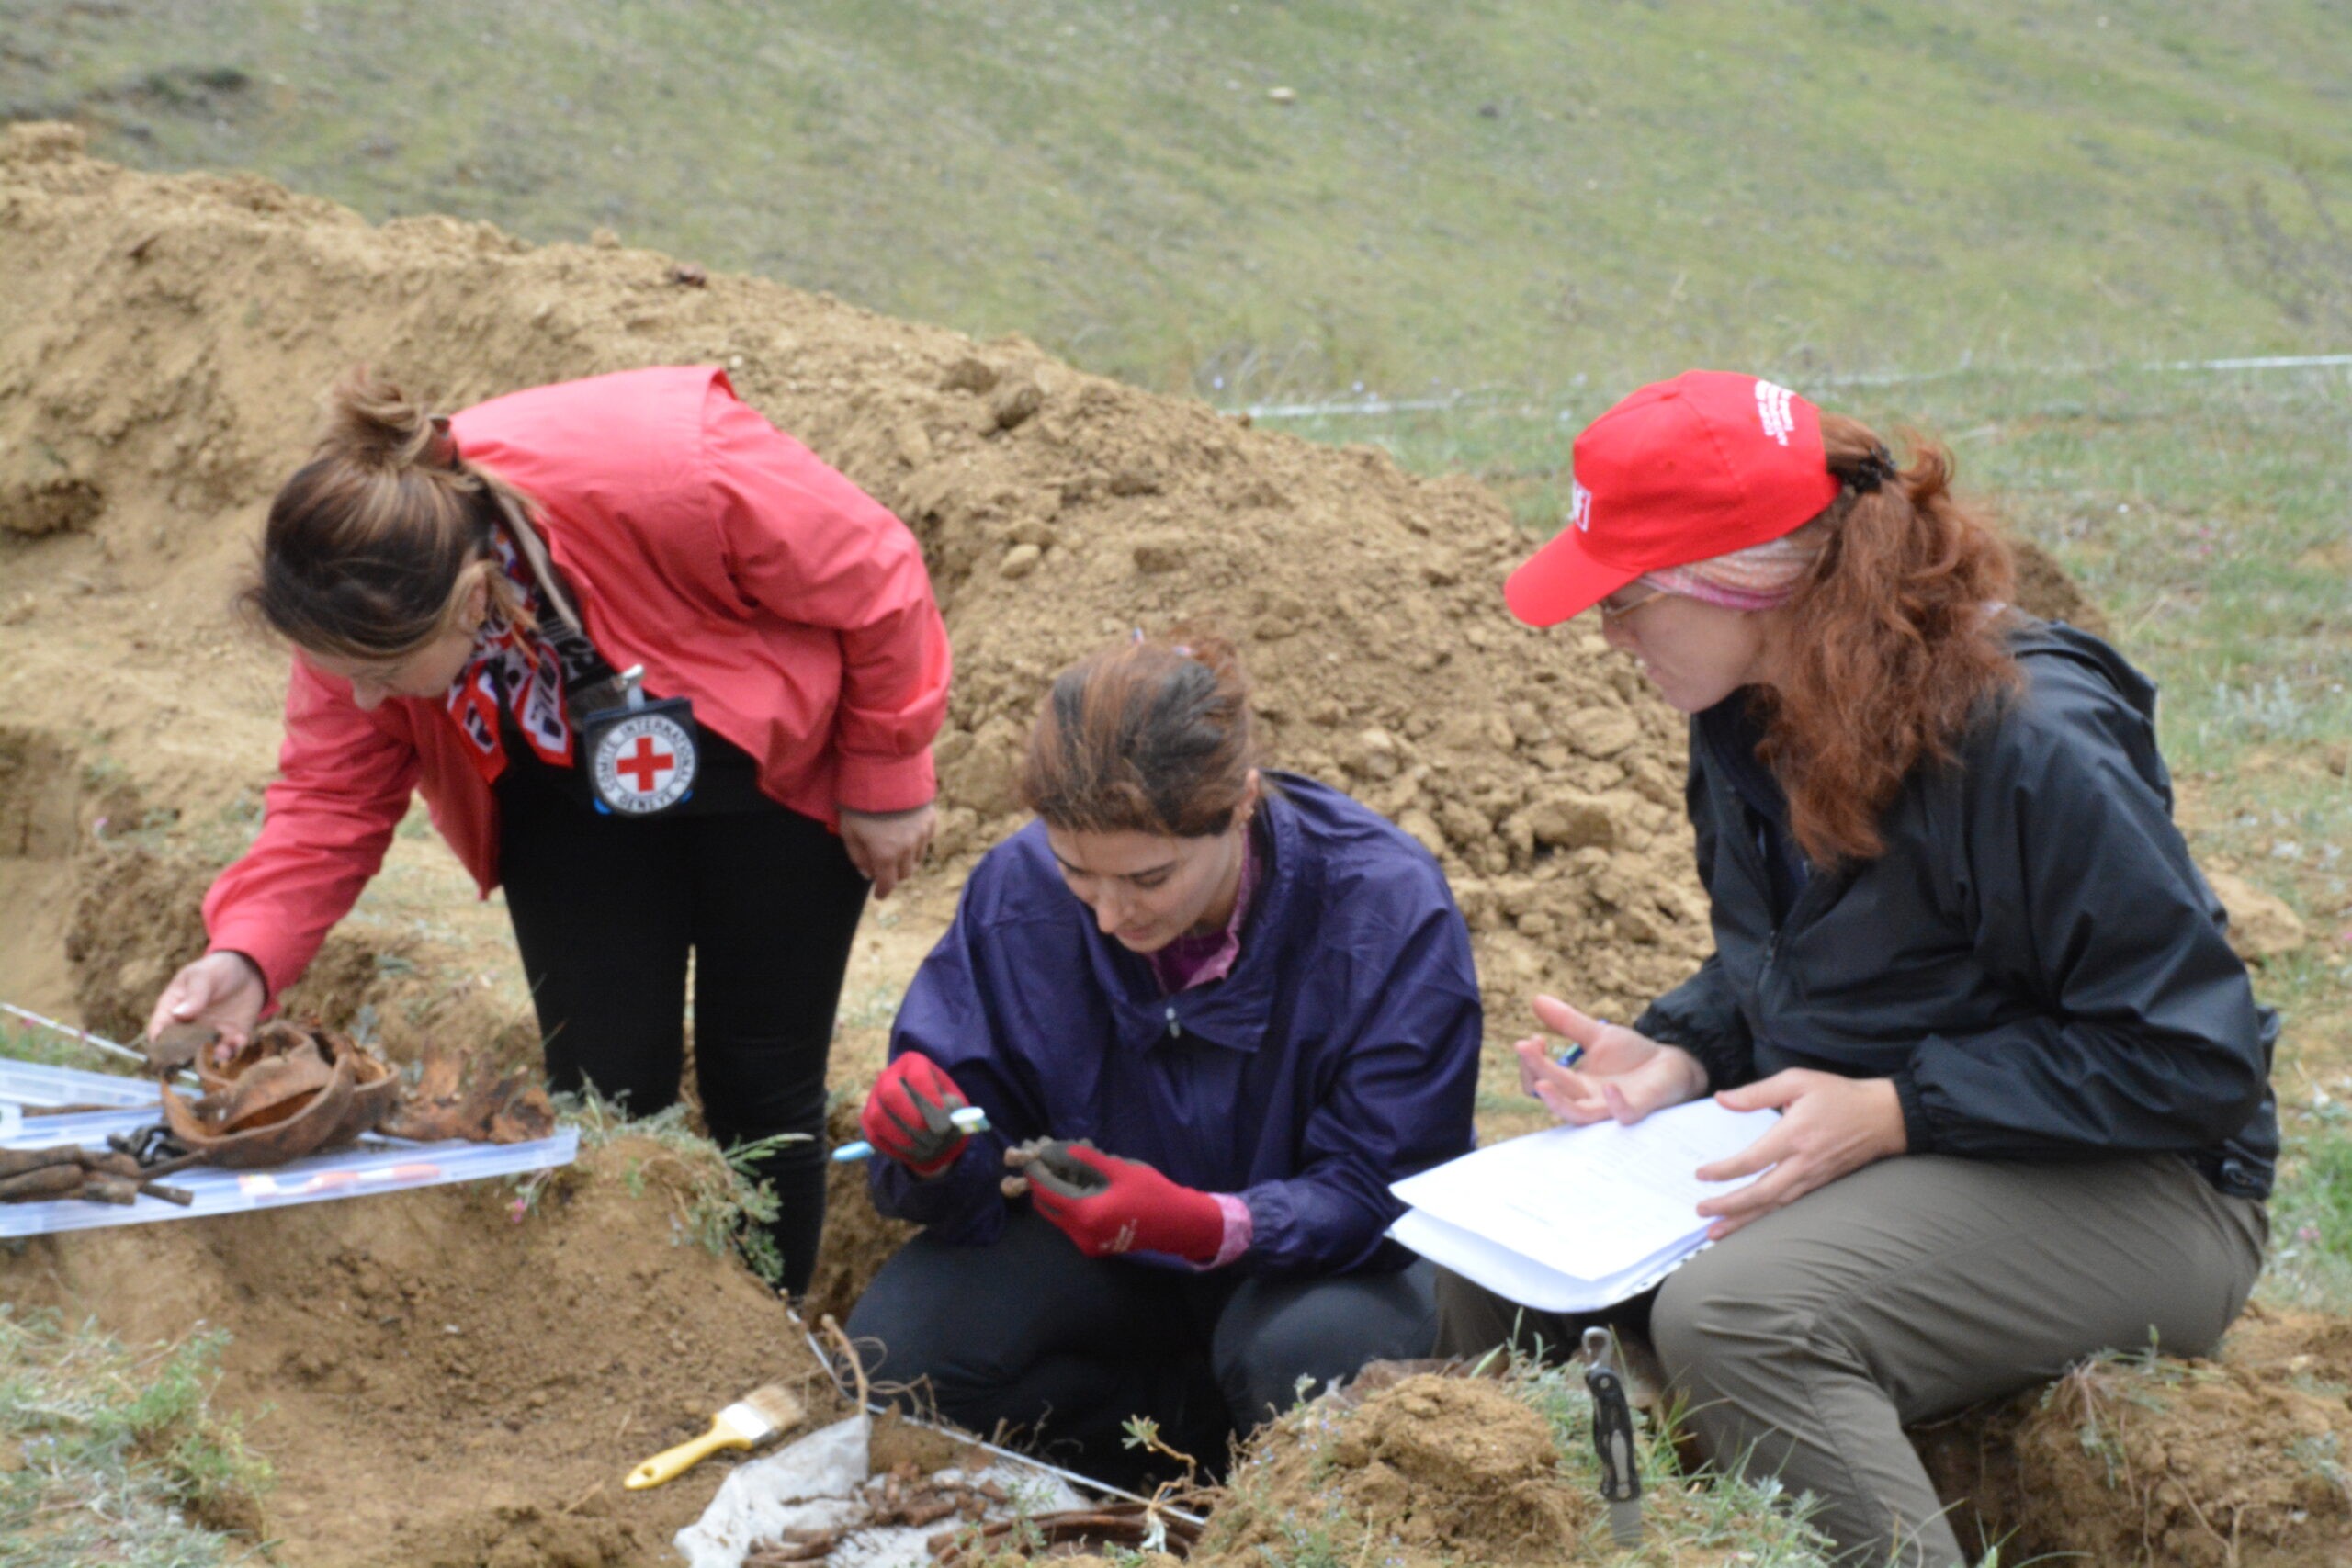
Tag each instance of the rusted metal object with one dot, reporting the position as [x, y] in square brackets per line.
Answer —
[1045, 1162]
[457, 1098]
[68, 1170]
[177, 1047]
[63, 1180]
[291, 1091]
[17, 1162]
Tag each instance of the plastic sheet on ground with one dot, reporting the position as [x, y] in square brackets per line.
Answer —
[812, 1484]
[374, 1165]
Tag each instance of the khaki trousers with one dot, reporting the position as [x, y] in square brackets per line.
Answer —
[1910, 1289]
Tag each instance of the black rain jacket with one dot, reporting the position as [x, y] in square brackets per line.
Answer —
[2034, 960]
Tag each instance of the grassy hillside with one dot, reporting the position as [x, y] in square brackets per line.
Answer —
[1542, 194]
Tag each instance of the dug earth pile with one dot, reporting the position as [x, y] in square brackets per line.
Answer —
[168, 337]
[160, 367]
[162, 349]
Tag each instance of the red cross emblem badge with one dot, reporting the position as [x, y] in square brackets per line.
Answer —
[643, 764]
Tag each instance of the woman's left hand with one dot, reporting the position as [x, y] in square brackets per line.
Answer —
[887, 845]
[1828, 1125]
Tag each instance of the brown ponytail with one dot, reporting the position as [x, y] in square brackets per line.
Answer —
[1893, 647]
[371, 548]
[1150, 736]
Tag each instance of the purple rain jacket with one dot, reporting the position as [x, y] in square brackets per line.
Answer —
[1340, 1054]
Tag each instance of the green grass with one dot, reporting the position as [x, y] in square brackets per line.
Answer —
[26, 1043]
[112, 1456]
[2311, 1221]
[1504, 192]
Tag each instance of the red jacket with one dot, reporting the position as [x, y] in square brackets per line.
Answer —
[702, 543]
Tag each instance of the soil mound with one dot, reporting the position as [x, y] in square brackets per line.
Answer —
[1431, 1469]
[2213, 1464]
[440, 1378]
[157, 385]
[159, 376]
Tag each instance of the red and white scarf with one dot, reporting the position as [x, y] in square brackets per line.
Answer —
[523, 668]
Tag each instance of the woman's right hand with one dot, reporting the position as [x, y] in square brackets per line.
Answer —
[910, 1114]
[1623, 1075]
[223, 990]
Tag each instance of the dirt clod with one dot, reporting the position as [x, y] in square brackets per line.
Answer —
[1434, 1469]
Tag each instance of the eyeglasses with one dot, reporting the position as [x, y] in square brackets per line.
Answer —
[1626, 600]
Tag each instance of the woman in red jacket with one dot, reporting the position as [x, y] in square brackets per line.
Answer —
[656, 669]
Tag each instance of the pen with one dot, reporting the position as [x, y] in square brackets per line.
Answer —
[971, 1119]
[1575, 1053]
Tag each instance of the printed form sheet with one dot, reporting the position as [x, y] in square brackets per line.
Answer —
[1592, 1202]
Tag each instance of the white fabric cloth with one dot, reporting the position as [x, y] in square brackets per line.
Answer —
[813, 1483]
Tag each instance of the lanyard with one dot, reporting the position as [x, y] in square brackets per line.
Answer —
[590, 684]
[641, 756]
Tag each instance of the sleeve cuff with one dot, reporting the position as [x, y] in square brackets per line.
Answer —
[1918, 1138]
[1240, 1229]
[280, 968]
[1659, 1027]
[268, 992]
[886, 784]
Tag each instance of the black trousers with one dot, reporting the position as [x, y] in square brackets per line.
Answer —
[607, 909]
[1031, 1335]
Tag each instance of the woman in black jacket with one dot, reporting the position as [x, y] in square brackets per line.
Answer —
[1959, 945]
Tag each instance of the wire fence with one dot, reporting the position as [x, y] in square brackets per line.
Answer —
[1515, 403]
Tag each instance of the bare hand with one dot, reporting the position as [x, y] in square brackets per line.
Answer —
[887, 846]
[1828, 1126]
[222, 991]
[1623, 1076]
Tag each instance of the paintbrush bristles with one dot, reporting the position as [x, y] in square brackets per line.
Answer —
[774, 1408]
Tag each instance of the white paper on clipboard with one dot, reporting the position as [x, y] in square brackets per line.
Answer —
[1575, 1218]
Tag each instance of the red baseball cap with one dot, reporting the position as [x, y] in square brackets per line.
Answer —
[1681, 472]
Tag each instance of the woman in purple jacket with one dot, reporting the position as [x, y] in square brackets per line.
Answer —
[1253, 999]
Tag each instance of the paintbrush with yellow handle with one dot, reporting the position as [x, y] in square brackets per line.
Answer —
[760, 1414]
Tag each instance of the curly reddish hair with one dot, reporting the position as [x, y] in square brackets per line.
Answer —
[1893, 645]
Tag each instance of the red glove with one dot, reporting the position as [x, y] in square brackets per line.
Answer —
[1110, 1205]
[906, 1117]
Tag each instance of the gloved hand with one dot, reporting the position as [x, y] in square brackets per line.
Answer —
[1110, 1205]
[906, 1117]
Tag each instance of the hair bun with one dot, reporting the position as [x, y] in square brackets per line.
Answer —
[1873, 469]
[371, 422]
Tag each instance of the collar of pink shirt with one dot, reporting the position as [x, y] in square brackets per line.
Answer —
[1191, 961]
